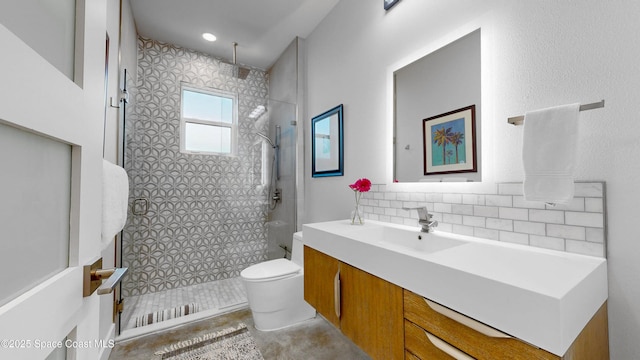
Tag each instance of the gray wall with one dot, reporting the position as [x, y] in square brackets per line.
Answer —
[206, 218]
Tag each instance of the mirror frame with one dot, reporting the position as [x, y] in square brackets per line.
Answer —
[334, 144]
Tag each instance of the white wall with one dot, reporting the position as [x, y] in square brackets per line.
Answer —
[543, 53]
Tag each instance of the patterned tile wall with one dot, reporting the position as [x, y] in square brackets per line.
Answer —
[503, 215]
[206, 217]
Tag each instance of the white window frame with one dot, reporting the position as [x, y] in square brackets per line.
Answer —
[233, 126]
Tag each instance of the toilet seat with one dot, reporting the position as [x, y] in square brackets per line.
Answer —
[270, 270]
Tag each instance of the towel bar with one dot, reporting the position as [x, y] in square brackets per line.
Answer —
[518, 120]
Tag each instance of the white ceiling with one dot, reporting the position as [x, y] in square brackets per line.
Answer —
[262, 28]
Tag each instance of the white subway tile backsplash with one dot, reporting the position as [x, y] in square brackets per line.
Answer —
[476, 221]
[390, 196]
[397, 220]
[410, 204]
[503, 214]
[547, 216]
[463, 230]
[444, 208]
[528, 227]
[452, 218]
[487, 211]
[500, 224]
[513, 237]
[584, 219]
[589, 190]
[584, 247]
[513, 213]
[595, 235]
[577, 204]
[593, 205]
[485, 233]
[566, 231]
[473, 199]
[462, 209]
[520, 202]
[547, 242]
[499, 200]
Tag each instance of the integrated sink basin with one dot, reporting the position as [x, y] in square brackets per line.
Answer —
[543, 297]
[410, 241]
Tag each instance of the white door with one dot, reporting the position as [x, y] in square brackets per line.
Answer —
[51, 126]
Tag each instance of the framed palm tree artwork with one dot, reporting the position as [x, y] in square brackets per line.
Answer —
[450, 142]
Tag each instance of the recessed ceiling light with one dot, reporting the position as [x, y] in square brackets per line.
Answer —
[209, 37]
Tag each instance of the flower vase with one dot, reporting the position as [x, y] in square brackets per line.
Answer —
[357, 217]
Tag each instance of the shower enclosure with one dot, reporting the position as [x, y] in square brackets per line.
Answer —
[197, 220]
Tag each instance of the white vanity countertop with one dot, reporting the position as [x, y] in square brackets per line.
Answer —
[541, 296]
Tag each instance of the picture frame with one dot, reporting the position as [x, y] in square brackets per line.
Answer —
[327, 143]
[388, 4]
[449, 142]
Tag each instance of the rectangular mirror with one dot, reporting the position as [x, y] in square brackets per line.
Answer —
[439, 83]
[327, 158]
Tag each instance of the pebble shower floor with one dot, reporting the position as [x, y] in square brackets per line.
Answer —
[215, 295]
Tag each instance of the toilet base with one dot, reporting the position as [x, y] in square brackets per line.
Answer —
[276, 320]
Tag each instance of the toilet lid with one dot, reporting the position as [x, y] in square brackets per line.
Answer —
[270, 269]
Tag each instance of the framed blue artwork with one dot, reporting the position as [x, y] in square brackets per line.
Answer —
[450, 142]
[327, 144]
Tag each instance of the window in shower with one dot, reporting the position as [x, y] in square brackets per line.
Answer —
[208, 121]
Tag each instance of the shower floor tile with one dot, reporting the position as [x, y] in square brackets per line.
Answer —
[215, 295]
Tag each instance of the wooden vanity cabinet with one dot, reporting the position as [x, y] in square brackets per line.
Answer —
[421, 318]
[320, 271]
[389, 322]
[367, 309]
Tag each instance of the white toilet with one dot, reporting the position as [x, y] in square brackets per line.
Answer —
[275, 290]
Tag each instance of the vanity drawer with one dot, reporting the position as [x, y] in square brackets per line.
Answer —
[422, 345]
[475, 343]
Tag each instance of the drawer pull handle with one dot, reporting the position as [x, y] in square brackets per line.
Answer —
[473, 324]
[447, 348]
[336, 293]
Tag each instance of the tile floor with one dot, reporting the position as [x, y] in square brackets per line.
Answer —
[314, 339]
[216, 295]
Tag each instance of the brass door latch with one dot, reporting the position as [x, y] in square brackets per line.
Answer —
[94, 274]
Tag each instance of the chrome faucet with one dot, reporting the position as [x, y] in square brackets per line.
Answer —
[425, 220]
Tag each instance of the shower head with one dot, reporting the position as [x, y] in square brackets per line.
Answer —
[267, 139]
[234, 70]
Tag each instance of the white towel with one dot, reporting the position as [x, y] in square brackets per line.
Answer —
[115, 196]
[549, 153]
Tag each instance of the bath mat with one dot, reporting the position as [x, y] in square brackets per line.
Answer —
[166, 314]
[234, 343]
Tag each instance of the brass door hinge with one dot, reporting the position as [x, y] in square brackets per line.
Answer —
[118, 307]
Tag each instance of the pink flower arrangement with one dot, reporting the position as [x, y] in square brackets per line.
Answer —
[359, 187]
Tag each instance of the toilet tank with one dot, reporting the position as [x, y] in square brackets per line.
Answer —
[297, 249]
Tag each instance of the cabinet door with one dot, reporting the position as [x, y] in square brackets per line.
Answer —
[372, 313]
[319, 287]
